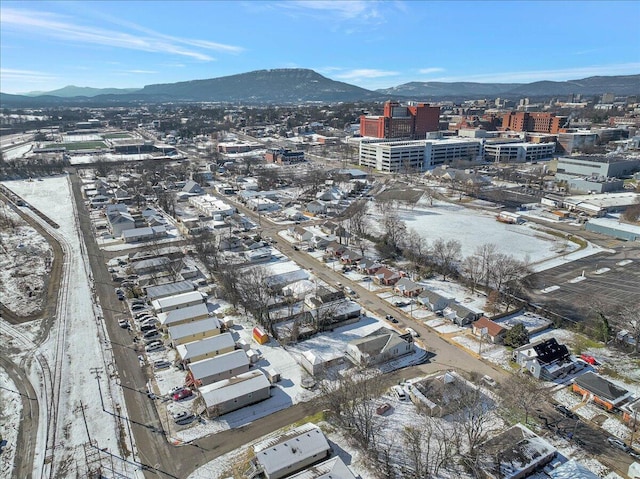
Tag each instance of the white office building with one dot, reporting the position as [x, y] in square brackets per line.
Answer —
[518, 152]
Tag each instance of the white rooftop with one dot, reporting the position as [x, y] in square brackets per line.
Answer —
[184, 314]
[240, 385]
[194, 327]
[197, 348]
[176, 300]
[218, 364]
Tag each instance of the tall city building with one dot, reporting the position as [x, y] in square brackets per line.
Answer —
[401, 121]
[533, 121]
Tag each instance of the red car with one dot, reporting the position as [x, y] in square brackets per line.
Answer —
[184, 393]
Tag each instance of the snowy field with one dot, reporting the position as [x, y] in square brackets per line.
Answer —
[474, 228]
[10, 410]
[75, 350]
[24, 264]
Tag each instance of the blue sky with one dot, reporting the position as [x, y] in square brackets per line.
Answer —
[47, 45]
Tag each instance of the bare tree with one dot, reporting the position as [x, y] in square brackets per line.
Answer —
[356, 218]
[522, 393]
[628, 318]
[446, 254]
[473, 268]
[255, 295]
[487, 253]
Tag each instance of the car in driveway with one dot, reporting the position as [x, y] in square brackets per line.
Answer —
[489, 381]
[565, 411]
[147, 327]
[182, 394]
[155, 345]
[152, 339]
[618, 444]
[401, 304]
[412, 332]
[181, 417]
[138, 308]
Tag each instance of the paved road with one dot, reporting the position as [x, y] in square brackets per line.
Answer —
[26, 442]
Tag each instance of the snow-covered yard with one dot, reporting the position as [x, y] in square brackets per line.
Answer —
[82, 366]
[24, 264]
[10, 411]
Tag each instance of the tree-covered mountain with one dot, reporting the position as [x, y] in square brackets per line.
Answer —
[618, 85]
[289, 85]
[295, 85]
[71, 91]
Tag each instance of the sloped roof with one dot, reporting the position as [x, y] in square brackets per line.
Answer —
[550, 351]
[493, 328]
[600, 386]
[378, 341]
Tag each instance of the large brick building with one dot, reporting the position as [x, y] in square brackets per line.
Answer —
[399, 121]
[533, 121]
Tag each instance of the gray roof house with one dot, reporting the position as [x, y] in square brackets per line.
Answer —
[433, 300]
[192, 187]
[459, 314]
[235, 393]
[224, 366]
[297, 450]
[380, 346]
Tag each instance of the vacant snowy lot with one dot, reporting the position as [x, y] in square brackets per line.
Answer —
[474, 228]
[10, 409]
[25, 261]
[76, 355]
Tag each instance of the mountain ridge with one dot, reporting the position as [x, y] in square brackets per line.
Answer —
[298, 85]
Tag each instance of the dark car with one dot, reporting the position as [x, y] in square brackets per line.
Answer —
[391, 318]
[565, 411]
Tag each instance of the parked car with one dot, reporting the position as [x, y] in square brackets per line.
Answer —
[618, 444]
[412, 332]
[565, 411]
[391, 318]
[182, 416]
[151, 321]
[141, 361]
[489, 381]
[161, 364]
[296, 248]
[183, 394]
[138, 307]
[150, 339]
[147, 327]
[141, 315]
[155, 345]
[401, 303]
[398, 392]
[123, 323]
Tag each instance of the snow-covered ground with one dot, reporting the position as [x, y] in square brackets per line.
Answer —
[66, 368]
[473, 228]
[10, 410]
[24, 265]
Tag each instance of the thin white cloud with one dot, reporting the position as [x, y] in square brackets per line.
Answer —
[364, 73]
[31, 76]
[57, 26]
[349, 13]
[140, 72]
[428, 71]
[552, 75]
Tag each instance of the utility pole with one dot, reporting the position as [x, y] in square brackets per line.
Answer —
[97, 372]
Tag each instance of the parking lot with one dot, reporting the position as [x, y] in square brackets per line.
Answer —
[604, 280]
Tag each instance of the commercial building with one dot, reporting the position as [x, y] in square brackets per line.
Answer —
[416, 155]
[576, 141]
[401, 121]
[598, 166]
[284, 156]
[533, 121]
[518, 152]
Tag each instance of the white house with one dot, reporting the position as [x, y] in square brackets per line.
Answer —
[194, 331]
[206, 348]
[184, 315]
[230, 394]
[224, 366]
[178, 301]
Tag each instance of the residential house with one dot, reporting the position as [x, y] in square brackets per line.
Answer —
[333, 468]
[485, 329]
[293, 214]
[192, 187]
[434, 301]
[230, 243]
[368, 266]
[631, 414]
[316, 207]
[164, 290]
[300, 234]
[514, 454]
[315, 363]
[335, 249]
[151, 265]
[183, 315]
[194, 331]
[407, 287]
[235, 393]
[546, 359]
[206, 348]
[459, 314]
[380, 346]
[335, 229]
[178, 301]
[350, 257]
[122, 196]
[331, 194]
[144, 234]
[441, 394]
[216, 368]
[297, 450]
[386, 276]
[120, 221]
[601, 391]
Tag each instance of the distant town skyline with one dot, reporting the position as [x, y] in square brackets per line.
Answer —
[48, 45]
